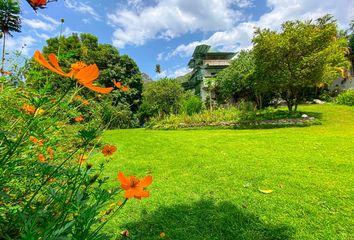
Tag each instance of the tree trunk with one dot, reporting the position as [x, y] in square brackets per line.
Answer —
[295, 105]
[3, 60]
[3, 54]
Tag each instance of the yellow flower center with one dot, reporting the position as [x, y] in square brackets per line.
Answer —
[76, 67]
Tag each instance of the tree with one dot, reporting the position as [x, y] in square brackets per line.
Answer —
[163, 96]
[10, 21]
[158, 68]
[85, 48]
[301, 56]
[237, 80]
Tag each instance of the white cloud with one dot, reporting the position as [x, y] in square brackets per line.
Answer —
[171, 18]
[241, 35]
[49, 19]
[38, 24]
[22, 44]
[82, 8]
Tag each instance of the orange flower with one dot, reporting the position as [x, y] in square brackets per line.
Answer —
[79, 119]
[134, 187]
[5, 72]
[41, 157]
[29, 109]
[117, 84]
[85, 75]
[36, 141]
[51, 152]
[125, 89]
[162, 234]
[85, 102]
[35, 4]
[108, 150]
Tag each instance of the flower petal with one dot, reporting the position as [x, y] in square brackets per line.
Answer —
[98, 89]
[53, 60]
[129, 193]
[124, 181]
[145, 182]
[88, 74]
[41, 60]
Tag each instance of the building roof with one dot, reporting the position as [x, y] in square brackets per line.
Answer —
[206, 52]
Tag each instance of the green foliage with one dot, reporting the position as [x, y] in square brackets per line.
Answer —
[302, 55]
[163, 97]
[46, 188]
[191, 104]
[346, 98]
[238, 81]
[205, 118]
[86, 48]
[119, 116]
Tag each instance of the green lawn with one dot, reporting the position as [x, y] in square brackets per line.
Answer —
[206, 182]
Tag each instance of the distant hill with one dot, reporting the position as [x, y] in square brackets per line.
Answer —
[146, 78]
[184, 78]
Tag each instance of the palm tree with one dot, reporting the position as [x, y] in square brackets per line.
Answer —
[10, 21]
[158, 68]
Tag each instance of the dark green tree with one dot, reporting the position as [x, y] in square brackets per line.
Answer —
[10, 21]
[162, 97]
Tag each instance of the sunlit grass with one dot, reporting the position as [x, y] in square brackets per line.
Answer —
[206, 182]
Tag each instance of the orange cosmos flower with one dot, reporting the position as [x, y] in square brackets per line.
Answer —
[108, 150]
[79, 119]
[5, 72]
[36, 141]
[134, 187]
[51, 152]
[29, 109]
[85, 75]
[117, 84]
[41, 157]
[35, 4]
[125, 89]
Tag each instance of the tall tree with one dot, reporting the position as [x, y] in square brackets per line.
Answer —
[10, 21]
[301, 56]
[158, 68]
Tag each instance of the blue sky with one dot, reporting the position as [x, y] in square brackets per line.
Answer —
[167, 31]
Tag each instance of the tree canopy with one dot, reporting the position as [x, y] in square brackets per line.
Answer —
[302, 55]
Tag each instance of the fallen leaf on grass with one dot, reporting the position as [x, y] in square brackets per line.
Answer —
[162, 234]
[124, 233]
[265, 191]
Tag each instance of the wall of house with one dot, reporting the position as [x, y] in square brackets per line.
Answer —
[342, 84]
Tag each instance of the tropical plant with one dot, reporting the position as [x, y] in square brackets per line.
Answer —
[10, 21]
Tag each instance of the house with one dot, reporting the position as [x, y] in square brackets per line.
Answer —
[206, 63]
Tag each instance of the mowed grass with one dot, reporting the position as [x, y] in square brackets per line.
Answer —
[206, 182]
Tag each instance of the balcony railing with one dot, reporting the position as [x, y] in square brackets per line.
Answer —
[216, 62]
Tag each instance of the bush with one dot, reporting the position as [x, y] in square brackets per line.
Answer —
[346, 98]
[119, 116]
[191, 105]
[205, 118]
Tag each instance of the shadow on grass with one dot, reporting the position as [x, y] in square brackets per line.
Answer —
[205, 220]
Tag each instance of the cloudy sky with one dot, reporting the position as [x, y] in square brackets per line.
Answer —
[167, 31]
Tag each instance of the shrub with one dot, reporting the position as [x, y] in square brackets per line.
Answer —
[346, 98]
[191, 105]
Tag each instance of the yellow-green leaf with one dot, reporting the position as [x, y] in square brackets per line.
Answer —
[265, 191]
